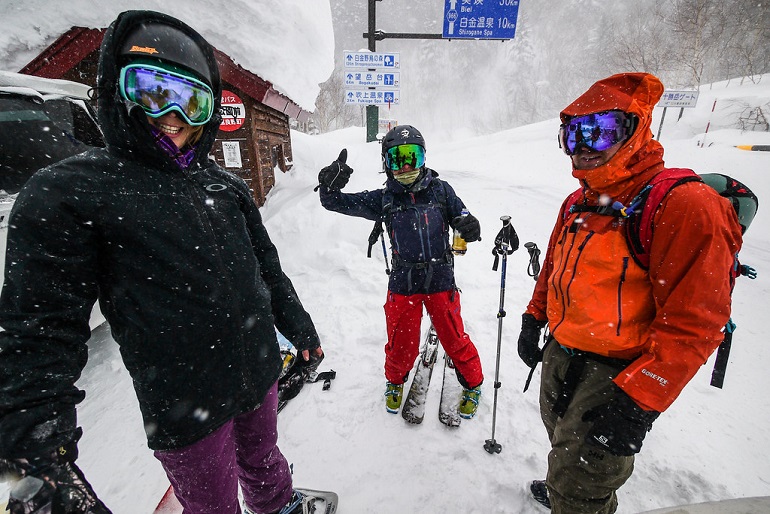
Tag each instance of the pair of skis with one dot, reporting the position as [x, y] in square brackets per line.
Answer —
[413, 409]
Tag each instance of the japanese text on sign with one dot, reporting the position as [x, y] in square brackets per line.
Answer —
[372, 97]
[480, 19]
[372, 79]
[371, 60]
[678, 99]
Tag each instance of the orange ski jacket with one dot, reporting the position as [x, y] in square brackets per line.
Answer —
[667, 319]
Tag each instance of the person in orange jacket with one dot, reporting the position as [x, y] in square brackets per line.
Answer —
[624, 339]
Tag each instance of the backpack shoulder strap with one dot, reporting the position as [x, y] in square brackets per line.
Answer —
[377, 230]
[441, 196]
[571, 202]
[639, 227]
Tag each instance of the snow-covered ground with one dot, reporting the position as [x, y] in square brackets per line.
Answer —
[709, 445]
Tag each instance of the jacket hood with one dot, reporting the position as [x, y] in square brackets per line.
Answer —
[641, 157]
[124, 123]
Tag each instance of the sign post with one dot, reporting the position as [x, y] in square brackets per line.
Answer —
[463, 19]
[372, 79]
[672, 98]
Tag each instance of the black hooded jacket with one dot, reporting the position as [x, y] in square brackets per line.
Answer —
[180, 262]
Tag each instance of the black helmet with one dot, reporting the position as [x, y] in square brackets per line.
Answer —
[744, 201]
[166, 43]
[402, 135]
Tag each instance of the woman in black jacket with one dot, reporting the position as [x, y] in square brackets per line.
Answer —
[174, 249]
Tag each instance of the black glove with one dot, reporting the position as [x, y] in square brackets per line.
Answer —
[468, 226]
[529, 340]
[620, 425]
[336, 175]
[291, 381]
[52, 485]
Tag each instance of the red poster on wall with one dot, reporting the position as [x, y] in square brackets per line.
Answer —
[233, 112]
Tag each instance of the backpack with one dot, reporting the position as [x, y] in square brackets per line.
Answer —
[639, 228]
[387, 214]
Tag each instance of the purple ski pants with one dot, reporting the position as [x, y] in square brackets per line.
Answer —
[205, 474]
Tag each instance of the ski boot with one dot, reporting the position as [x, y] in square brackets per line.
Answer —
[470, 402]
[394, 393]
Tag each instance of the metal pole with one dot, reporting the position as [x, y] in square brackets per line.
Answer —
[504, 245]
[661, 123]
[372, 111]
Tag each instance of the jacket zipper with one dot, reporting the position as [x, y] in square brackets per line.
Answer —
[620, 294]
[565, 294]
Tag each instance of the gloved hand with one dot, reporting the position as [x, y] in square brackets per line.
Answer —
[529, 340]
[52, 485]
[336, 175]
[620, 425]
[468, 226]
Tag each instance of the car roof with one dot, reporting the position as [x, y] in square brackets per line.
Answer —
[17, 83]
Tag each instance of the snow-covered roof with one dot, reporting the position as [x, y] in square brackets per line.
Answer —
[289, 43]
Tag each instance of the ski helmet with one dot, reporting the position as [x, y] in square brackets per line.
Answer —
[402, 135]
[169, 44]
[744, 201]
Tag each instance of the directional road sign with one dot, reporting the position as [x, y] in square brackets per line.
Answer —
[372, 97]
[365, 78]
[372, 60]
[480, 19]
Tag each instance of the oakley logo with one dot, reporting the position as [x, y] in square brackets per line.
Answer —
[213, 188]
[143, 49]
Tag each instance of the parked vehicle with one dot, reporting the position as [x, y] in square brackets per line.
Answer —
[41, 122]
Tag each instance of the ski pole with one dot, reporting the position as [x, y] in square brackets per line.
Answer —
[506, 243]
[533, 269]
[384, 253]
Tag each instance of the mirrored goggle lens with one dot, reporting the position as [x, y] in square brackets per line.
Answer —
[159, 92]
[401, 155]
[597, 131]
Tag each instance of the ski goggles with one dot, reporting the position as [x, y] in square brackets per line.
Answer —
[159, 91]
[598, 131]
[399, 156]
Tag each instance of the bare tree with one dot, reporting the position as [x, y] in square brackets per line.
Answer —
[331, 111]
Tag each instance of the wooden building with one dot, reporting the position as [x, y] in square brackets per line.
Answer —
[254, 138]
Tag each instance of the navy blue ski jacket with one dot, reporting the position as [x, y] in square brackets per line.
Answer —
[417, 219]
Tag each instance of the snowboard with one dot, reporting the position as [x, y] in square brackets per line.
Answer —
[451, 392]
[324, 502]
[413, 409]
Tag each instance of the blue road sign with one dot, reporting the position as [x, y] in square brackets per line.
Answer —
[372, 97]
[367, 78]
[480, 19]
[371, 60]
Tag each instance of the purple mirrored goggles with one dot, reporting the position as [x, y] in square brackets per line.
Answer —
[597, 131]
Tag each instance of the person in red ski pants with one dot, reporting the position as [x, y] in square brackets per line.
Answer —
[418, 209]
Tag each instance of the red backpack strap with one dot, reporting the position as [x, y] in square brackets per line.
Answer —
[571, 200]
[640, 229]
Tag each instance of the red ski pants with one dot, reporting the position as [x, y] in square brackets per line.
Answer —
[403, 316]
